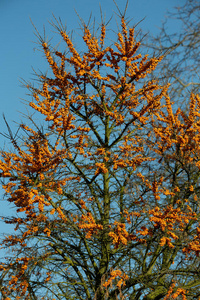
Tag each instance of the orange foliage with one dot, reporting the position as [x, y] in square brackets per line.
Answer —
[114, 274]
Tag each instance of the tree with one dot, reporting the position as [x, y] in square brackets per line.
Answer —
[181, 65]
[107, 189]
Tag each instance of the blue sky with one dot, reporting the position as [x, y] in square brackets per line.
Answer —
[18, 52]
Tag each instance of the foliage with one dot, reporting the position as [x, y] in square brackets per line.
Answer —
[107, 191]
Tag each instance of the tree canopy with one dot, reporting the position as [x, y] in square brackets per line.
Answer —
[106, 190]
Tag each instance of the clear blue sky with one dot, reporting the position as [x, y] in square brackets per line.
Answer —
[17, 54]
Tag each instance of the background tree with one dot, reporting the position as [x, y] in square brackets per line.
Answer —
[181, 64]
[107, 189]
